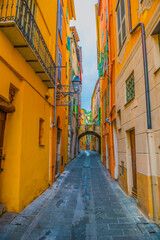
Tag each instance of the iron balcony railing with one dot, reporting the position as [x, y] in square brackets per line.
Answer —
[18, 11]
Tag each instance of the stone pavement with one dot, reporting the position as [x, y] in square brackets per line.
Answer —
[83, 204]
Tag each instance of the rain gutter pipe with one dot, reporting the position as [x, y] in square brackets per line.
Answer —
[55, 89]
[53, 124]
[148, 107]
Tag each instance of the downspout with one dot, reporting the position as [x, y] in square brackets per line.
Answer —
[148, 107]
[145, 63]
[112, 159]
[55, 90]
[53, 124]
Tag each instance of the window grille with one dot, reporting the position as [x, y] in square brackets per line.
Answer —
[121, 22]
[130, 89]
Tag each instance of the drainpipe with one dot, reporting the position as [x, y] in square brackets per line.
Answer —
[55, 90]
[145, 63]
[152, 157]
[53, 112]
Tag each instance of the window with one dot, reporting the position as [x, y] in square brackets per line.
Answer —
[99, 116]
[74, 102]
[156, 37]
[121, 23]
[103, 37]
[106, 16]
[130, 88]
[41, 132]
[26, 19]
[59, 65]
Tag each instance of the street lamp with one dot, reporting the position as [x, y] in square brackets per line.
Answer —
[76, 84]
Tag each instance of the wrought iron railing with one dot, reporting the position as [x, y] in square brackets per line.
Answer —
[19, 12]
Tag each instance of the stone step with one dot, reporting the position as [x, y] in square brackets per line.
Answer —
[2, 209]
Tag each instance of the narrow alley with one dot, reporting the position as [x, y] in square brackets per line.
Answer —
[83, 204]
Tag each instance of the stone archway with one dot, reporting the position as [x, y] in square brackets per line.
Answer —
[89, 133]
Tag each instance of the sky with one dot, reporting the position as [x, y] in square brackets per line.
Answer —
[86, 27]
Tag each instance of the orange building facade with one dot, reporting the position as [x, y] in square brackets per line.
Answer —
[106, 68]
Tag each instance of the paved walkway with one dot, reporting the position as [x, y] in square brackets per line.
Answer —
[83, 204]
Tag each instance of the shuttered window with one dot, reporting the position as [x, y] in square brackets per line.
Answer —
[106, 16]
[121, 23]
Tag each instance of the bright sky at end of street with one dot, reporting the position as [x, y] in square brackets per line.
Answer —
[86, 27]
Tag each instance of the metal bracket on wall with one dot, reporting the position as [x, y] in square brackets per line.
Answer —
[65, 95]
[2, 158]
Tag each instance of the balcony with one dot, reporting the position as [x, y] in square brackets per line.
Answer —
[19, 25]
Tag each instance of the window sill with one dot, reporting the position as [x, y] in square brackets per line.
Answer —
[129, 102]
[157, 70]
[60, 37]
[41, 145]
[122, 46]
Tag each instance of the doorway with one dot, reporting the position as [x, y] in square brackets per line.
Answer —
[134, 167]
[58, 153]
[2, 127]
[107, 159]
[115, 150]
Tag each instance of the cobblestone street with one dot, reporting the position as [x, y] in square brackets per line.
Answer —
[83, 204]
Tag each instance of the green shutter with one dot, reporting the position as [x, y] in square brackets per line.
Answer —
[106, 16]
[101, 66]
[77, 112]
[99, 116]
[74, 105]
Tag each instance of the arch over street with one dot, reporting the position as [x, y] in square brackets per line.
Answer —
[89, 133]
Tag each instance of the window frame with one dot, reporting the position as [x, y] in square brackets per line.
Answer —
[128, 100]
[120, 23]
[156, 41]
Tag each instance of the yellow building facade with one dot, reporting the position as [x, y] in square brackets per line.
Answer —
[28, 31]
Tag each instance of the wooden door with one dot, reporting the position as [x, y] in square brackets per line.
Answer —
[2, 127]
[134, 168]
